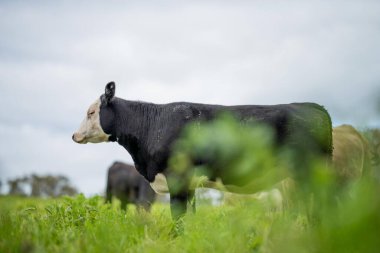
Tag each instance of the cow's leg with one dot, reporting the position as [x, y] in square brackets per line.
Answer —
[124, 200]
[179, 195]
[123, 204]
[146, 205]
[191, 200]
[143, 196]
[178, 204]
[143, 204]
[108, 194]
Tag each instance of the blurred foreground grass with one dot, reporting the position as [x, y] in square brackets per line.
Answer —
[87, 225]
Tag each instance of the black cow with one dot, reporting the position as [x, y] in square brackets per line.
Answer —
[148, 131]
[125, 183]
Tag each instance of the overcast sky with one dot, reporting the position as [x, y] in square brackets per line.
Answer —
[57, 56]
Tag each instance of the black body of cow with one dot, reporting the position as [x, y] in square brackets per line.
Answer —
[147, 131]
[125, 183]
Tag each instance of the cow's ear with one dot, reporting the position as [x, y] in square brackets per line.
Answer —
[109, 91]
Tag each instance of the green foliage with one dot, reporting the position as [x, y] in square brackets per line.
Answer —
[86, 225]
[236, 152]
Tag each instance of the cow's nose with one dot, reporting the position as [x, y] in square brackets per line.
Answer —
[73, 137]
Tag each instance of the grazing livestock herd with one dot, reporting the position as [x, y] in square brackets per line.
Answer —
[149, 133]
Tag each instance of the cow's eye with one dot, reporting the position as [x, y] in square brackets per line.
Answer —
[90, 113]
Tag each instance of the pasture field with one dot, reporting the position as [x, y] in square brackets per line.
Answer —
[329, 218]
[82, 224]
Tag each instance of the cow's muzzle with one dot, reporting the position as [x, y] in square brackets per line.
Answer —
[78, 138]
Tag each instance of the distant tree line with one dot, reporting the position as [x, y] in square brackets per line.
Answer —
[41, 186]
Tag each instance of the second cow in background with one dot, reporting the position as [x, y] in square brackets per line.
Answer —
[351, 154]
[125, 183]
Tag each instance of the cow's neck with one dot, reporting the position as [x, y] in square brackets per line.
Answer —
[131, 129]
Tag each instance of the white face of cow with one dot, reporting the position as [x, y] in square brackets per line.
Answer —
[90, 130]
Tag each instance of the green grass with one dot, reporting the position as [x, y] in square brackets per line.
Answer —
[87, 225]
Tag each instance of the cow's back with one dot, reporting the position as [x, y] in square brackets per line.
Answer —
[296, 123]
[304, 126]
